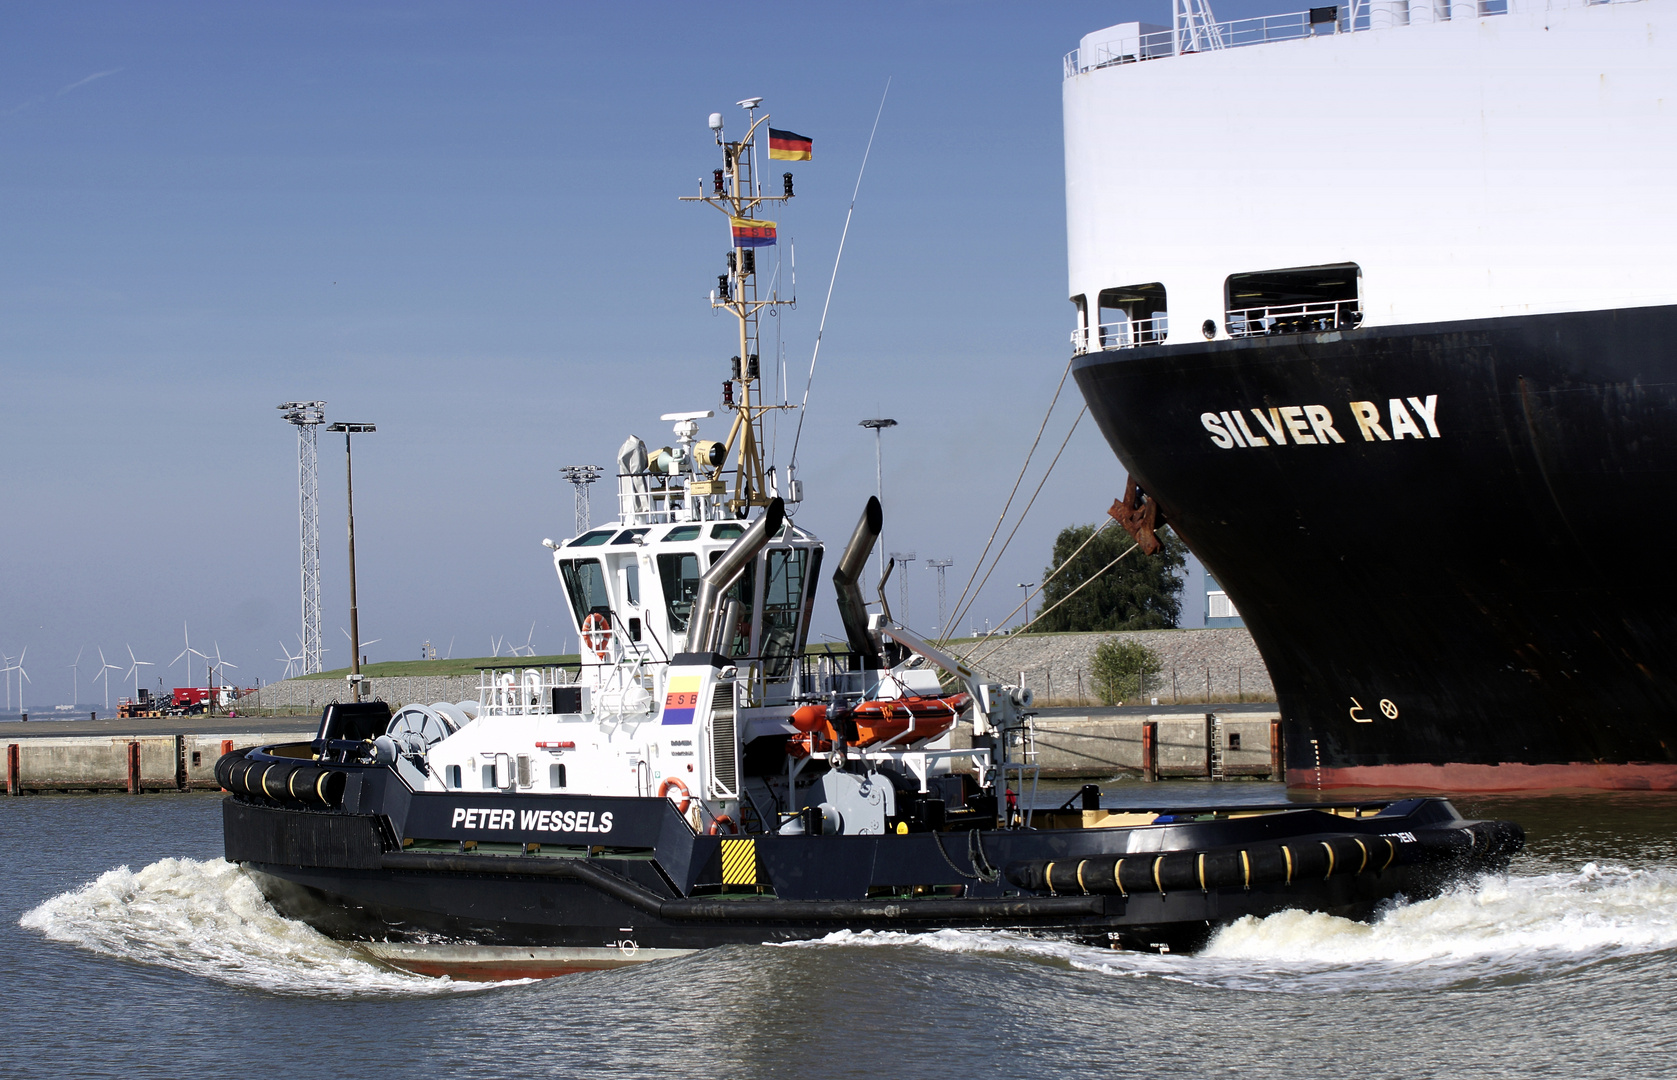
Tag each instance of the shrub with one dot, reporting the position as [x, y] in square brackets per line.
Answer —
[1119, 667]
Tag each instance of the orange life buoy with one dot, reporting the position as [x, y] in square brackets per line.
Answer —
[722, 821]
[664, 793]
[596, 635]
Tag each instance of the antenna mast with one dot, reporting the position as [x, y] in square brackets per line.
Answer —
[736, 190]
[307, 416]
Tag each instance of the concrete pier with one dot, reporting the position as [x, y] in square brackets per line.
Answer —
[1214, 742]
[133, 756]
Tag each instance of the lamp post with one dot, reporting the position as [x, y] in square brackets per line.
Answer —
[354, 616]
[1027, 586]
[878, 424]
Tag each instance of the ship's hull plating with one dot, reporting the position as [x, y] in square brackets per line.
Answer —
[1483, 602]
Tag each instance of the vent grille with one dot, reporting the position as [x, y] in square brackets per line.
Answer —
[724, 753]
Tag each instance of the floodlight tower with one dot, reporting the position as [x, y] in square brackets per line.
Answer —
[904, 558]
[940, 565]
[580, 477]
[307, 416]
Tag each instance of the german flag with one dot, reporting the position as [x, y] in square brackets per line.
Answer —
[750, 234]
[788, 146]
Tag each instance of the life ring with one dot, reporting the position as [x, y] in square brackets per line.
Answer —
[664, 793]
[722, 821]
[596, 635]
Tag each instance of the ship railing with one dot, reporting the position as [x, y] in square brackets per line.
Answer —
[648, 498]
[526, 692]
[1314, 22]
[1294, 318]
[1123, 334]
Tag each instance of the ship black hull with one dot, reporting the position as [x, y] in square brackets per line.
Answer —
[527, 909]
[1499, 579]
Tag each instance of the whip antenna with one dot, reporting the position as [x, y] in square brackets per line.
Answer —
[803, 405]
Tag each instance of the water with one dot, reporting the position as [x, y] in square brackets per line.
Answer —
[130, 949]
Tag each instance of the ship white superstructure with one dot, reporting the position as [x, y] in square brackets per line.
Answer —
[1469, 162]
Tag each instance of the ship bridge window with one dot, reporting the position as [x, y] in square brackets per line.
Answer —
[593, 539]
[729, 531]
[683, 532]
[585, 585]
[1131, 316]
[1308, 299]
[783, 593]
[744, 591]
[679, 573]
[629, 536]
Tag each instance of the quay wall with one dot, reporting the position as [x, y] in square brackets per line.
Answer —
[1215, 665]
[132, 763]
[1094, 747]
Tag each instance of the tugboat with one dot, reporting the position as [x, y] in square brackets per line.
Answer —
[702, 780]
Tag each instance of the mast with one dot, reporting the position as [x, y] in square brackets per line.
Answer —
[736, 191]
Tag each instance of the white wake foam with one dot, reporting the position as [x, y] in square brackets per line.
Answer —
[1493, 927]
[209, 919]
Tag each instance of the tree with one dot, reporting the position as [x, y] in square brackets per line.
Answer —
[1120, 669]
[1142, 592]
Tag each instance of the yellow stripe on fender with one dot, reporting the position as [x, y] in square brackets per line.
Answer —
[1329, 848]
[1117, 877]
[1245, 870]
[1048, 878]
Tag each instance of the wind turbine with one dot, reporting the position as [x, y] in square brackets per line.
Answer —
[7, 671]
[527, 648]
[189, 652]
[291, 662]
[215, 695]
[364, 644]
[105, 669]
[134, 670]
[21, 675]
[76, 677]
[450, 655]
[494, 645]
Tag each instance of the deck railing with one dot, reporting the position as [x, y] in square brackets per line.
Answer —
[1294, 318]
[1123, 334]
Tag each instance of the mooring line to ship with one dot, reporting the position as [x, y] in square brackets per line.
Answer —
[1089, 581]
[959, 600]
[803, 406]
[983, 871]
[1046, 473]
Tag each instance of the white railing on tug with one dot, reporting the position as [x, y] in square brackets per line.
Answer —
[1124, 334]
[1294, 318]
[519, 692]
[649, 498]
[1315, 22]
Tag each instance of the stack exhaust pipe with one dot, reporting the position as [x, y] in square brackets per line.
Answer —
[727, 570]
[851, 564]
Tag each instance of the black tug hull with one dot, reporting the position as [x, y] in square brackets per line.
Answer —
[1487, 603]
[387, 873]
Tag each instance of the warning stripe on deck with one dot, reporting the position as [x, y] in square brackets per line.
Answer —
[739, 862]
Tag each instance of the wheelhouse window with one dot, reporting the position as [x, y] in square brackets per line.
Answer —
[1306, 299]
[593, 539]
[783, 592]
[744, 591]
[585, 586]
[679, 574]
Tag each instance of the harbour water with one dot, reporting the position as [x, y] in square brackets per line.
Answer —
[131, 949]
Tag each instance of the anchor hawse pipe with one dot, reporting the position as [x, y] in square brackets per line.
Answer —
[732, 563]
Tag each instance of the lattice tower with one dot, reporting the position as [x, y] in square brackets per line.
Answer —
[940, 565]
[903, 557]
[307, 416]
[581, 476]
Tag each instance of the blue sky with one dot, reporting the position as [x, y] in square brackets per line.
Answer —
[459, 221]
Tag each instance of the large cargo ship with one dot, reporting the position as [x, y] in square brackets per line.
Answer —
[1376, 304]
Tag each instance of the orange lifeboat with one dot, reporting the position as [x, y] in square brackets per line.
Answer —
[877, 721]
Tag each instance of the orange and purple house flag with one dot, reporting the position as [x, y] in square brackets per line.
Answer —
[750, 234]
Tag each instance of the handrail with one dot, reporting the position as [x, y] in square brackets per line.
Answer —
[1294, 318]
[1348, 18]
[1124, 334]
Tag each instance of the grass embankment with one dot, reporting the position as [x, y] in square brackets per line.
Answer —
[390, 669]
